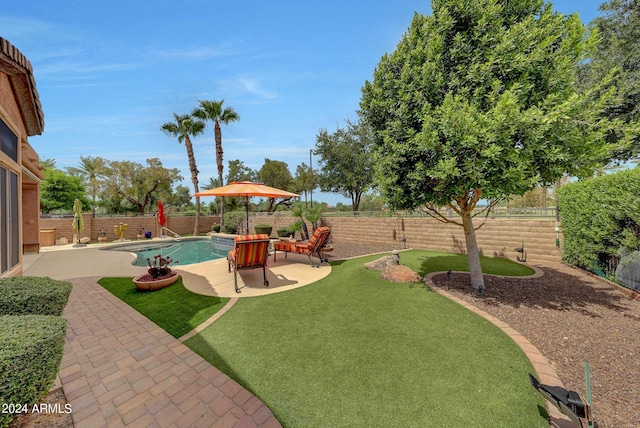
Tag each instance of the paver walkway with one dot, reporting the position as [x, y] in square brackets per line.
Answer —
[120, 369]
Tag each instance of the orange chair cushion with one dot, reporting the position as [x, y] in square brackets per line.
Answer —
[249, 254]
[317, 239]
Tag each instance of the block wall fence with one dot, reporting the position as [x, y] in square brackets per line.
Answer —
[180, 225]
[497, 238]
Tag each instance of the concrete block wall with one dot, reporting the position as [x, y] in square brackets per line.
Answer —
[181, 225]
[496, 238]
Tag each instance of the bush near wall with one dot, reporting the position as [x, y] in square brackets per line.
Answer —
[33, 295]
[599, 217]
[31, 352]
[235, 221]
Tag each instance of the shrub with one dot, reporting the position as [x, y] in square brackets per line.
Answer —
[599, 217]
[216, 228]
[283, 231]
[263, 228]
[30, 356]
[233, 221]
[33, 295]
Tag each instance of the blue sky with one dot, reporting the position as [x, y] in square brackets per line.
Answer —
[109, 74]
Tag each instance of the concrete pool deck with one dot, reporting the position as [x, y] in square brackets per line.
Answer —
[210, 278]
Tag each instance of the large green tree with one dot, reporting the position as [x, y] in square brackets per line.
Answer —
[90, 170]
[480, 101]
[304, 181]
[238, 171]
[619, 50]
[276, 174]
[213, 111]
[128, 184]
[59, 191]
[183, 128]
[346, 161]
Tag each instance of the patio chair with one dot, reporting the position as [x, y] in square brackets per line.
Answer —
[249, 252]
[315, 245]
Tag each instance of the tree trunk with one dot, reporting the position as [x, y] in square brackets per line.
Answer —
[473, 254]
[194, 180]
[218, 137]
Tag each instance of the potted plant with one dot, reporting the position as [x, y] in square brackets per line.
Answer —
[159, 274]
[263, 228]
[283, 232]
[102, 235]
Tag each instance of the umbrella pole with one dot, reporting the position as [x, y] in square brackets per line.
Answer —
[247, 207]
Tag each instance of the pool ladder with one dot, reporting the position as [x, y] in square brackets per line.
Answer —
[175, 235]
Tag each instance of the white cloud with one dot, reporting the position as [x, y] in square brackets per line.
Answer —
[196, 53]
[83, 67]
[253, 86]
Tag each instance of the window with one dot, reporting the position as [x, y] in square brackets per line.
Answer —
[9, 224]
[8, 142]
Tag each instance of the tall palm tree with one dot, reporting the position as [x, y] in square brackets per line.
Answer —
[90, 169]
[184, 127]
[213, 111]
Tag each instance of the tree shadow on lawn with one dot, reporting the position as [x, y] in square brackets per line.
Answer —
[555, 290]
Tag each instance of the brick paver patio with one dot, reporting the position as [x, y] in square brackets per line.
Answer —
[120, 369]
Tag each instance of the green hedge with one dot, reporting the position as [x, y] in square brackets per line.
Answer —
[33, 295]
[30, 356]
[599, 217]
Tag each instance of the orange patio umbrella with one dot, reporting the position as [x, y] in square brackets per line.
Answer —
[247, 189]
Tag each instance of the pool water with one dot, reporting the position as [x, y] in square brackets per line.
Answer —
[185, 252]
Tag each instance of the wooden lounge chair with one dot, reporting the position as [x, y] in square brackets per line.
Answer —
[249, 252]
[315, 245]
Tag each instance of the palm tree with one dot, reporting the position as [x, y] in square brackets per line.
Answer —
[213, 111]
[47, 163]
[184, 127]
[90, 169]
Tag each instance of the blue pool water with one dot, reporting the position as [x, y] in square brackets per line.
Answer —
[185, 251]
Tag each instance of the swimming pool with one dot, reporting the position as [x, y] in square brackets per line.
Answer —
[184, 251]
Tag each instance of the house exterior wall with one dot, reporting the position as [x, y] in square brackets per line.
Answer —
[21, 112]
[10, 115]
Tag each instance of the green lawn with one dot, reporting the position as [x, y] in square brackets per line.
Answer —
[352, 351]
[425, 262]
[175, 309]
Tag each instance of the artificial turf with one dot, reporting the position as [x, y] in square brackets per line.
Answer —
[355, 350]
[175, 309]
[424, 262]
